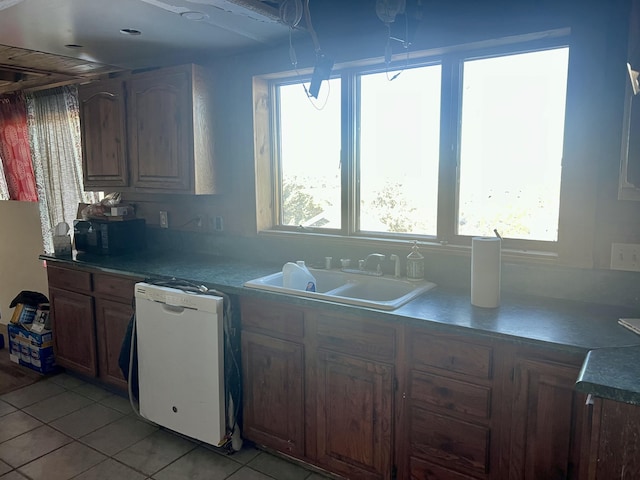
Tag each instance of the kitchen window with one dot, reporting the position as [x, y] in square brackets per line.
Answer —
[439, 148]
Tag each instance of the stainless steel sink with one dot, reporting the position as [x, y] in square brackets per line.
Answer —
[385, 293]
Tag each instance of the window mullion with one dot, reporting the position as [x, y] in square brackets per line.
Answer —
[449, 148]
[349, 154]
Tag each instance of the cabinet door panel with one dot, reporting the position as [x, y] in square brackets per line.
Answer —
[161, 131]
[102, 121]
[354, 415]
[273, 392]
[112, 319]
[546, 415]
[615, 449]
[73, 331]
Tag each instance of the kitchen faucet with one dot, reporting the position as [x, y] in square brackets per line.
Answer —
[371, 265]
[374, 262]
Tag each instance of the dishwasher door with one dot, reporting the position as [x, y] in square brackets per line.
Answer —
[181, 361]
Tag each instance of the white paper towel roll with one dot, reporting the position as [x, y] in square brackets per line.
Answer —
[485, 272]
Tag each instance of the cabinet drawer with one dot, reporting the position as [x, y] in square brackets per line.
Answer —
[114, 285]
[420, 470]
[451, 355]
[272, 319]
[356, 336]
[450, 394]
[69, 279]
[459, 445]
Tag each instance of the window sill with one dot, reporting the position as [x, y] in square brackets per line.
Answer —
[369, 244]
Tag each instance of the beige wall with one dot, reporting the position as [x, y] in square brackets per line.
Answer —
[20, 245]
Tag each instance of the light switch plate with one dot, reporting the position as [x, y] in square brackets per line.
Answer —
[625, 256]
[164, 219]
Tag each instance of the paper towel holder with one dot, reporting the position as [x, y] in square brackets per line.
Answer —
[486, 266]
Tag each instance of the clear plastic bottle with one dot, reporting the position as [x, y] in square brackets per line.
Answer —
[311, 280]
[415, 264]
[298, 277]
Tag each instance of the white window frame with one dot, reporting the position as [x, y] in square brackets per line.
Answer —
[451, 59]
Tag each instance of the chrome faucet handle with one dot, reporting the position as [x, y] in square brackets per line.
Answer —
[377, 258]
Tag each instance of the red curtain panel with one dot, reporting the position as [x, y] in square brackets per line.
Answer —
[14, 148]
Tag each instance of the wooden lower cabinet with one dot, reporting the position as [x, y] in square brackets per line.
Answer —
[112, 319]
[547, 419]
[74, 331]
[366, 398]
[273, 392]
[354, 415]
[615, 441]
[305, 396]
[90, 313]
[452, 412]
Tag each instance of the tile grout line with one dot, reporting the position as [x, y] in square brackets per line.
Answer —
[132, 414]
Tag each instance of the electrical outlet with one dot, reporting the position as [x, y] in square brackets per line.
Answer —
[218, 224]
[625, 256]
[164, 219]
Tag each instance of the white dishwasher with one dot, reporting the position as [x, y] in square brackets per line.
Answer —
[180, 343]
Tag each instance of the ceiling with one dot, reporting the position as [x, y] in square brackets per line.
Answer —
[43, 41]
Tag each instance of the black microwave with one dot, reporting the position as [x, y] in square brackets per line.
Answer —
[109, 237]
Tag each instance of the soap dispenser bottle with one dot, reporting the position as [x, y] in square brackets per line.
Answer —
[415, 264]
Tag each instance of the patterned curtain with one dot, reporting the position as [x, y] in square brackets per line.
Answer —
[54, 131]
[4, 188]
[14, 148]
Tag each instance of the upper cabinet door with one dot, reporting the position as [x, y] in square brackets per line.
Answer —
[161, 130]
[103, 125]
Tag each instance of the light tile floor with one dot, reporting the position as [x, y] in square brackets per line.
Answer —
[62, 427]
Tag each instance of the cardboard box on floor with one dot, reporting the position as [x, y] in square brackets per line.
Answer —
[32, 349]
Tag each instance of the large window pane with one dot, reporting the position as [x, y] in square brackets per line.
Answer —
[310, 157]
[511, 145]
[399, 149]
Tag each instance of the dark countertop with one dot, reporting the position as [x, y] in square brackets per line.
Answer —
[562, 324]
[612, 373]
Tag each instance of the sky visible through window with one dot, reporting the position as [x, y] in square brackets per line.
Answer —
[399, 151]
[511, 137]
[310, 156]
[511, 146]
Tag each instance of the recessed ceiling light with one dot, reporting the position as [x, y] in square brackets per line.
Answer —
[195, 16]
[74, 45]
[130, 31]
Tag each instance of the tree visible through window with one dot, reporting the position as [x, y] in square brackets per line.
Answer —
[371, 160]
[511, 145]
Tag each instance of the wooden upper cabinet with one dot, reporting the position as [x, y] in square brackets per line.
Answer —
[103, 126]
[149, 132]
[170, 142]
